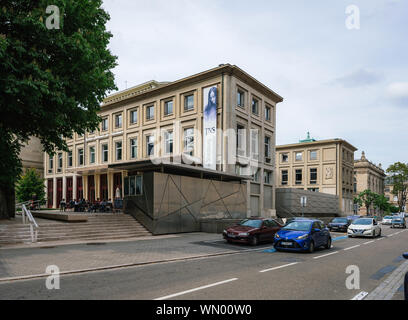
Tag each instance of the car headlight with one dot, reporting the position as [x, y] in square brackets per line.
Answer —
[277, 236]
[225, 231]
[302, 237]
[244, 234]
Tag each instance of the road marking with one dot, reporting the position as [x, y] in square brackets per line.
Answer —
[275, 268]
[325, 255]
[369, 242]
[196, 289]
[393, 234]
[339, 238]
[349, 248]
[380, 239]
[360, 296]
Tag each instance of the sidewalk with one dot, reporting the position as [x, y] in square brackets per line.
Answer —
[70, 258]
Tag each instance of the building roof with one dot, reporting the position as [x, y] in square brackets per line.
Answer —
[155, 87]
[316, 142]
[363, 162]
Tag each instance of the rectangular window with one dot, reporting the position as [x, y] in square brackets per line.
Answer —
[150, 145]
[298, 156]
[168, 108]
[254, 143]
[91, 154]
[313, 175]
[241, 140]
[50, 163]
[189, 102]
[168, 140]
[255, 176]
[284, 177]
[139, 185]
[118, 148]
[240, 99]
[133, 148]
[189, 141]
[285, 157]
[59, 162]
[298, 176]
[255, 106]
[313, 155]
[69, 159]
[313, 189]
[267, 113]
[133, 116]
[267, 148]
[81, 157]
[267, 177]
[104, 124]
[118, 121]
[150, 113]
[105, 152]
[132, 186]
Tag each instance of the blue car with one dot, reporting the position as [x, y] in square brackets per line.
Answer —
[303, 235]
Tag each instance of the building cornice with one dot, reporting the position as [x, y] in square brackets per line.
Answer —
[315, 143]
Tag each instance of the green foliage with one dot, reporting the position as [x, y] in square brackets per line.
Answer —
[381, 202]
[394, 209]
[398, 174]
[52, 81]
[28, 185]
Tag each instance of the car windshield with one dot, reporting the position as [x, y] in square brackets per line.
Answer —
[251, 223]
[298, 226]
[397, 219]
[339, 220]
[363, 221]
[387, 217]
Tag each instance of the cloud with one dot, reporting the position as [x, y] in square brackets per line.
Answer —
[358, 78]
[398, 92]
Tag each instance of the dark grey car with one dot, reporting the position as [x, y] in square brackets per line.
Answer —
[398, 222]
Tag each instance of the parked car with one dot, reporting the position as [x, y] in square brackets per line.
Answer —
[303, 235]
[387, 220]
[405, 255]
[252, 231]
[289, 220]
[355, 217]
[364, 227]
[339, 224]
[398, 222]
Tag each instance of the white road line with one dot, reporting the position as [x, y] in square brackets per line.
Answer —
[275, 268]
[380, 239]
[393, 234]
[360, 296]
[369, 242]
[349, 248]
[325, 255]
[195, 289]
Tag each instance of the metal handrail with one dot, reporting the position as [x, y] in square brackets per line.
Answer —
[33, 224]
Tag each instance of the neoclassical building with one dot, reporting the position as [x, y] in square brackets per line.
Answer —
[221, 121]
[318, 165]
[32, 156]
[367, 175]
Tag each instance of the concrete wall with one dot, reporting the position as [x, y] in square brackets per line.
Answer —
[318, 204]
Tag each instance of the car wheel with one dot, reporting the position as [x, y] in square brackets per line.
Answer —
[254, 241]
[379, 235]
[329, 242]
[311, 247]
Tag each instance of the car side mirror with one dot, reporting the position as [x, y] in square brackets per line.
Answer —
[405, 255]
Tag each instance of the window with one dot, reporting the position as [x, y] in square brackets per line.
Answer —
[105, 152]
[241, 140]
[133, 185]
[139, 185]
[168, 107]
[267, 148]
[285, 157]
[91, 154]
[267, 177]
[313, 189]
[133, 148]
[267, 113]
[133, 116]
[298, 176]
[118, 121]
[59, 162]
[255, 106]
[254, 143]
[150, 145]
[189, 102]
[81, 157]
[69, 159]
[150, 113]
[50, 164]
[313, 155]
[255, 176]
[313, 175]
[104, 124]
[168, 141]
[118, 148]
[189, 141]
[284, 177]
[240, 99]
[298, 156]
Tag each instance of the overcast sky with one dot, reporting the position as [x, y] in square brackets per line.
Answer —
[336, 82]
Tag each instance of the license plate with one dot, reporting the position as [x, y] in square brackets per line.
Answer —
[286, 243]
[231, 235]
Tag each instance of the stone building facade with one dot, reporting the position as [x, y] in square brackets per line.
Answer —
[32, 156]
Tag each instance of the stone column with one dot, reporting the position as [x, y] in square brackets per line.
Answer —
[85, 186]
[97, 186]
[74, 187]
[110, 185]
[54, 192]
[64, 188]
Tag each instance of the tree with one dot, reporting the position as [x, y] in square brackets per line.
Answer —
[398, 173]
[30, 184]
[382, 203]
[52, 81]
[367, 197]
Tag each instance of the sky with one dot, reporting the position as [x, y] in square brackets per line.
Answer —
[336, 82]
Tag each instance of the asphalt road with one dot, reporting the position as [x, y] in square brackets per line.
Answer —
[251, 275]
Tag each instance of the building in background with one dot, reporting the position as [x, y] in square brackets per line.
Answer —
[32, 156]
[367, 175]
[176, 120]
[318, 165]
[392, 198]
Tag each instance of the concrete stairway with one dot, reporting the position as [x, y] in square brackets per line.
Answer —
[98, 227]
